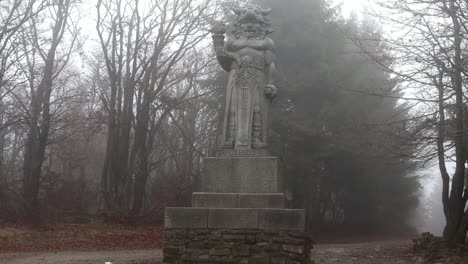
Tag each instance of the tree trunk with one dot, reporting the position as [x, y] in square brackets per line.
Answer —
[457, 202]
[140, 164]
[40, 118]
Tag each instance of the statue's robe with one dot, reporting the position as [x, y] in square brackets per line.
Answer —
[246, 109]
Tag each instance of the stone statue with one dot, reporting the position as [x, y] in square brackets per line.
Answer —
[248, 57]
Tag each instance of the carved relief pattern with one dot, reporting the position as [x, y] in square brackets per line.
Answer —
[249, 79]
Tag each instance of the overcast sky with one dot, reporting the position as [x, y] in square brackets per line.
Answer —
[351, 5]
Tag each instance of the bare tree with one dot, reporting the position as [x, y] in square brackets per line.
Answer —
[143, 55]
[13, 15]
[46, 58]
[430, 48]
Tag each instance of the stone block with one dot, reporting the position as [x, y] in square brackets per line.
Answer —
[260, 200]
[242, 153]
[297, 249]
[241, 251]
[278, 260]
[233, 218]
[240, 175]
[214, 200]
[181, 217]
[281, 219]
[220, 252]
[259, 259]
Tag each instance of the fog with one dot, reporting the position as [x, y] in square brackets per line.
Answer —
[109, 106]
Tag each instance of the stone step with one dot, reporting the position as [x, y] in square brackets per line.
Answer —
[234, 218]
[237, 200]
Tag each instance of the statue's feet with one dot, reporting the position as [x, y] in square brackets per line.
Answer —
[228, 144]
[257, 144]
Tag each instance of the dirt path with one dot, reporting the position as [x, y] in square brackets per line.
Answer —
[79, 257]
[379, 252]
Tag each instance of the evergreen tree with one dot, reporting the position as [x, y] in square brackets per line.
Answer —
[339, 124]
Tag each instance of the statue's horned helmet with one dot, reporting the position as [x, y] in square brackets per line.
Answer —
[252, 10]
[254, 13]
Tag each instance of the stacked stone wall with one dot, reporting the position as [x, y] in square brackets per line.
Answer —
[236, 246]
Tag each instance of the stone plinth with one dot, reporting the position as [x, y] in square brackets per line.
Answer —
[214, 200]
[236, 246]
[242, 153]
[240, 175]
[238, 200]
[237, 217]
[234, 218]
[260, 200]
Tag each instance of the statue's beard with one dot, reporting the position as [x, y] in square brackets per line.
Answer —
[250, 35]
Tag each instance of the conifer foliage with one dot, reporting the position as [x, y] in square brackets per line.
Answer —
[340, 127]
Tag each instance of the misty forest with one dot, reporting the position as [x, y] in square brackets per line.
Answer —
[109, 107]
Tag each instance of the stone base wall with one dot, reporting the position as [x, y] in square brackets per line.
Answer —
[242, 246]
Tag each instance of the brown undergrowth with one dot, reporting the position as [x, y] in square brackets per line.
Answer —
[60, 237]
[437, 250]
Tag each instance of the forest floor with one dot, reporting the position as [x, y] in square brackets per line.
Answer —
[123, 244]
[74, 237]
[378, 252]
[148, 256]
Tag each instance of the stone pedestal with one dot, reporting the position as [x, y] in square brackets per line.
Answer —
[252, 246]
[240, 175]
[238, 200]
[238, 216]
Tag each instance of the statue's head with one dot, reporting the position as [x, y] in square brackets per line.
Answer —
[252, 22]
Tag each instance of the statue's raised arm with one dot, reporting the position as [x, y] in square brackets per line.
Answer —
[225, 58]
[248, 56]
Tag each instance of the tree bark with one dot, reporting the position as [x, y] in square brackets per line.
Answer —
[40, 117]
[455, 231]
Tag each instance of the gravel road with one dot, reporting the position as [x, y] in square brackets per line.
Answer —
[80, 257]
[379, 252]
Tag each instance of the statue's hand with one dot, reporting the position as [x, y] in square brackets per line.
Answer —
[218, 29]
[221, 53]
[218, 40]
[270, 91]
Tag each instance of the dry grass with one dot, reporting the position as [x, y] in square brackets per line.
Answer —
[60, 237]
